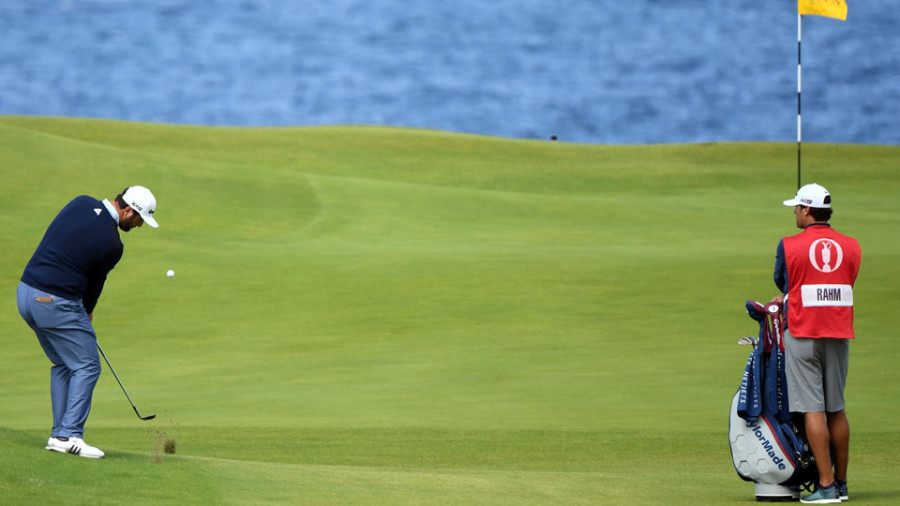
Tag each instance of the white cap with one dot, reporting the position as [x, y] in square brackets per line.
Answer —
[811, 195]
[141, 200]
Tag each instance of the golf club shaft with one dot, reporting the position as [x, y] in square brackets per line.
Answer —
[111, 368]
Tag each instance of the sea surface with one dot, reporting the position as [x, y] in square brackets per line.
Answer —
[587, 71]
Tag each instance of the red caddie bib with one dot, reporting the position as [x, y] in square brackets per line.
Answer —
[822, 266]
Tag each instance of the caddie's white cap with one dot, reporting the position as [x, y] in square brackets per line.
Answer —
[811, 195]
[141, 200]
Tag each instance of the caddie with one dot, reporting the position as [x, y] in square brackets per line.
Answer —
[815, 271]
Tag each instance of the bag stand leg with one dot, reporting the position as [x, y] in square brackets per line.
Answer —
[775, 493]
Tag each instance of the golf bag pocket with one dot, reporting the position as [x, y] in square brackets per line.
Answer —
[769, 451]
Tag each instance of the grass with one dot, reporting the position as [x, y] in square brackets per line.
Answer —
[371, 315]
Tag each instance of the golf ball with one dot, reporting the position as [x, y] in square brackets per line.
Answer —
[170, 273]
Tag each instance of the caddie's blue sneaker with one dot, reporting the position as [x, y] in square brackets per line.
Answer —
[842, 490]
[823, 495]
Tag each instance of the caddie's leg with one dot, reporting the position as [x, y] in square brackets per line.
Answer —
[837, 360]
[820, 442]
[839, 428]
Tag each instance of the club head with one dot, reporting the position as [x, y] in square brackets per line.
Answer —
[748, 341]
[144, 418]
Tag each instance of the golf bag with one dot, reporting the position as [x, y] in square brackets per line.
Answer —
[768, 442]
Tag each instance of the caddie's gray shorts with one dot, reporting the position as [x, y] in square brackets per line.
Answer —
[816, 373]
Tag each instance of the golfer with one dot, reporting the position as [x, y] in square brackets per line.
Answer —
[57, 295]
[815, 271]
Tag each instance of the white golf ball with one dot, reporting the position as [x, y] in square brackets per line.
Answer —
[170, 273]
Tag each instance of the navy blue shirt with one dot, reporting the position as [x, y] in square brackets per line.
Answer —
[781, 276]
[78, 250]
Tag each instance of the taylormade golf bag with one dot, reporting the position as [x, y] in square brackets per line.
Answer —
[768, 443]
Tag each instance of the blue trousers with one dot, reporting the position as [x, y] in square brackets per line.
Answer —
[65, 332]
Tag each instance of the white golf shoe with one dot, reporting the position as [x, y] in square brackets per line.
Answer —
[75, 446]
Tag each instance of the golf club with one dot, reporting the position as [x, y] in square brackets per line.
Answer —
[138, 413]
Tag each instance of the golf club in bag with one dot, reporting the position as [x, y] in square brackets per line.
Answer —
[145, 418]
[768, 442]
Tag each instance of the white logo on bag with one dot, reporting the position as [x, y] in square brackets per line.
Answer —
[826, 255]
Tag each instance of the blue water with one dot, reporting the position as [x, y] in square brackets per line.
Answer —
[592, 71]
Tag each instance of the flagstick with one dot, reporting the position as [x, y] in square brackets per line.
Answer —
[799, 74]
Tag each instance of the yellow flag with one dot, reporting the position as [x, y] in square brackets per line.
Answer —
[830, 8]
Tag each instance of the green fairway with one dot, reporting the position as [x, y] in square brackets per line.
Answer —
[371, 315]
